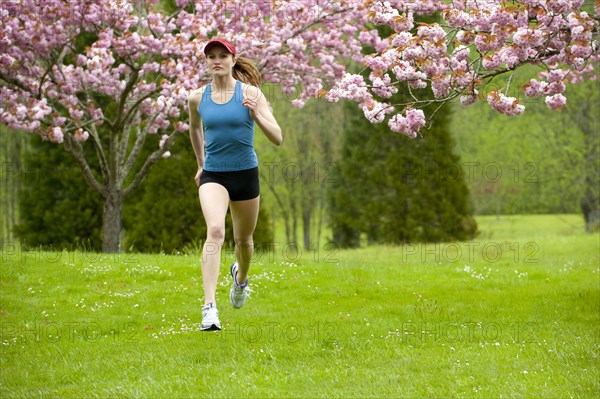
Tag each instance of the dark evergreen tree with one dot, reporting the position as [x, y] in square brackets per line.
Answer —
[165, 215]
[59, 210]
[395, 189]
[56, 206]
[584, 114]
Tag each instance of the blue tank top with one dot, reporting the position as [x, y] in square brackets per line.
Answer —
[228, 133]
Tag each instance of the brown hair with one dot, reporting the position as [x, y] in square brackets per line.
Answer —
[245, 71]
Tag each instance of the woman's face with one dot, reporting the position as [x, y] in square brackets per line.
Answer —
[219, 61]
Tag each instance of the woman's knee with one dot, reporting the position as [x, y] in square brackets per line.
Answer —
[216, 234]
[244, 242]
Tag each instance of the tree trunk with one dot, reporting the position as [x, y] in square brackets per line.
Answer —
[306, 227]
[590, 203]
[111, 223]
[284, 211]
[587, 119]
[294, 214]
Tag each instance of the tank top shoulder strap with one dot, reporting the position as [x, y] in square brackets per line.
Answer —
[206, 92]
[239, 93]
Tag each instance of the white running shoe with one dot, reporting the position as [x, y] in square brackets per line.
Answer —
[237, 294]
[210, 318]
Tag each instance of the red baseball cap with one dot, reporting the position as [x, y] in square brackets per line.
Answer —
[216, 42]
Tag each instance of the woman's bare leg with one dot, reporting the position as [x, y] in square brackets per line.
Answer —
[214, 200]
[244, 215]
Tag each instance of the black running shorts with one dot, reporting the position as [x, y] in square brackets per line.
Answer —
[241, 185]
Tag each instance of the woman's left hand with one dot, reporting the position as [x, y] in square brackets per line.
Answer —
[252, 106]
[260, 111]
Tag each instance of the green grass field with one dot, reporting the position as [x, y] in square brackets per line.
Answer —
[513, 313]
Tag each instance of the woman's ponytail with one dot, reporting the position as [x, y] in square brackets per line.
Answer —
[245, 71]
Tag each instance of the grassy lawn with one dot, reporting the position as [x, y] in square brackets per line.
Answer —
[515, 312]
[529, 226]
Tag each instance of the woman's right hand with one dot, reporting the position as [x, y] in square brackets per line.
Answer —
[197, 178]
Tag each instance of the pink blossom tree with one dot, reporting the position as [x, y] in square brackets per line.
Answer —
[116, 74]
[457, 57]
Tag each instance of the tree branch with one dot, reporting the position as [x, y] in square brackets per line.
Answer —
[151, 160]
[104, 170]
[137, 147]
[73, 147]
[15, 82]
[505, 70]
[122, 126]
[128, 88]
[135, 105]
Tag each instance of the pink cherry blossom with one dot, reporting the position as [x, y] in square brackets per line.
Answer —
[298, 103]
[441, 86]
[408, 125]
[526, 37]
[557, 101]
[469, 99]
[182, 127]
[505, 105]
[535, 88]
[55, 135]
[351, 87]
[383, 87]
[81, 135]
[375, 111]
[163, 138]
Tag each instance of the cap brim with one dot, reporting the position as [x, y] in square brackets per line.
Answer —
[215, 43]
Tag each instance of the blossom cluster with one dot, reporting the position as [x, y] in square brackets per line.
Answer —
[505, 105]
[474, 42]
[86, 68]
[409, 124]
[80, 69]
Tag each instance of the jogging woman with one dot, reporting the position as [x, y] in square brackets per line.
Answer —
[222, 116]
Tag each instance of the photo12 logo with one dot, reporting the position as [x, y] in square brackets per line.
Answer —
[489, 252]
[298, 172]
[287, 251]
[490, 172]
[53, 332]
[21, 251]
[274, 331]
[492, 333]
[60, 173]
[258, 11]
